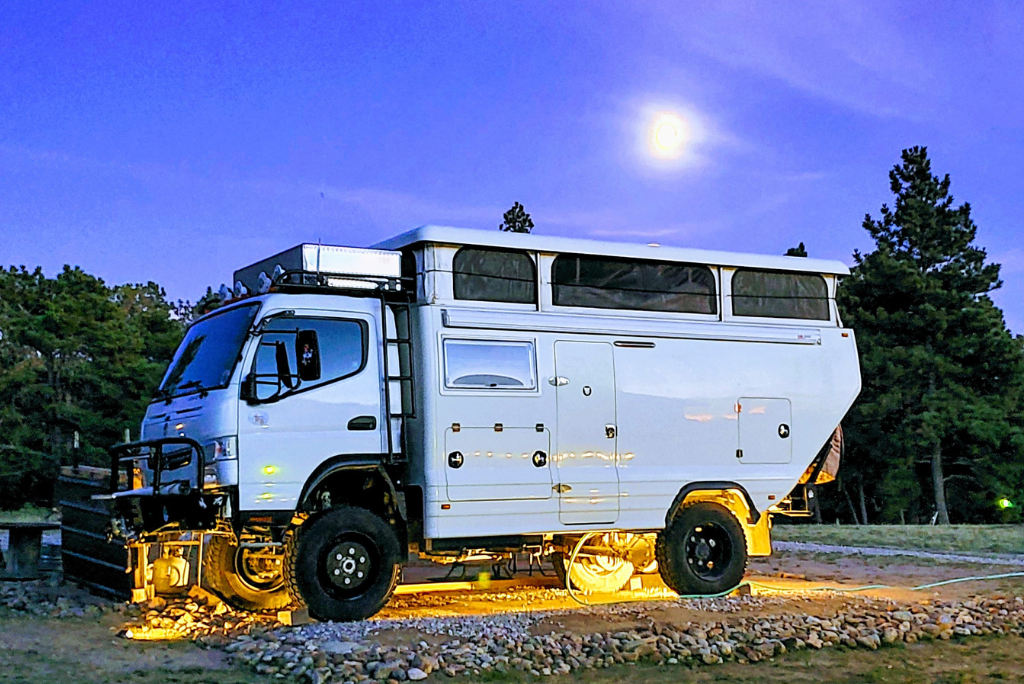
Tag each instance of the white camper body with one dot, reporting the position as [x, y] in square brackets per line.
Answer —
[611, 387]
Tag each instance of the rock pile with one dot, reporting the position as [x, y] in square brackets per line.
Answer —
[498, 643]
[201, 617]
[44, 599]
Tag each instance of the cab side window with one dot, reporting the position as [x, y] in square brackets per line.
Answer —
[297, 354]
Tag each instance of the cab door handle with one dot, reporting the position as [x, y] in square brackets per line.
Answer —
[609, 431]
[363, 423]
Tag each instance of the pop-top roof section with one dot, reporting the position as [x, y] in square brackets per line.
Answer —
[562, 245]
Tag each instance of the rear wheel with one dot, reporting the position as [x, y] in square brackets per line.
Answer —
[343, 564]
[246, 578]
[702, 550]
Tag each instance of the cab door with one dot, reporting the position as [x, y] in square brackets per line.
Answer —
[314, 393]
[588, 480]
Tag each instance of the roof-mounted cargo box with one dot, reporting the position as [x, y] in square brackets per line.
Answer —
[311, 264]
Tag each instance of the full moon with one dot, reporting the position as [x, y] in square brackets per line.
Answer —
[668, 134]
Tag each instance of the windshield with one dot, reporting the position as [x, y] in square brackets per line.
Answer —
[207, 356]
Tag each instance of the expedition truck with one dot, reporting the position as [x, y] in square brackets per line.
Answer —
[461, 394]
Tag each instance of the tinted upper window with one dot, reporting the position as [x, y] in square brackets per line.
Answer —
[494, 275]
[483, 364]
[207, 356]
[613, 283]
[342, 350]
[778, 294]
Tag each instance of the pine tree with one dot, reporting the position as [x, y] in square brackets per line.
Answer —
[942, 375]
[516, 220]
[75, 356]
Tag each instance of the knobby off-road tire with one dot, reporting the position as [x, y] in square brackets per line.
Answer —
[702, 550]
[343, 564]
[233, 575]
[592, 574]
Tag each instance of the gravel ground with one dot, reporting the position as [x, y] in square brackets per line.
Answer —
[522, 634]
[733, 629]
[809, 547]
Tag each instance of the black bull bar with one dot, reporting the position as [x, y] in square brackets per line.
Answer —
[161, 457]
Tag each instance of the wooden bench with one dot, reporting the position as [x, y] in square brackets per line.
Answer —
[24, 548]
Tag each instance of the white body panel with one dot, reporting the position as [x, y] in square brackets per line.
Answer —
[675, 414]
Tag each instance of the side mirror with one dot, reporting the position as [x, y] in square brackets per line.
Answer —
[247, 392]
[284, 368]
[307, 353]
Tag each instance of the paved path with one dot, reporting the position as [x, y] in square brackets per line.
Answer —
[1015, 560]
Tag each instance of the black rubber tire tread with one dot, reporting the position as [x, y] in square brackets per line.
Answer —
[303, 548]
[672, 565]
[558, 564]
[219, 573]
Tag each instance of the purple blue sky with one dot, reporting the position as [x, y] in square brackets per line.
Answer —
[178, 141]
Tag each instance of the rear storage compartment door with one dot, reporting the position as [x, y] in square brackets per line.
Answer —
[487, 464]
[765, 425]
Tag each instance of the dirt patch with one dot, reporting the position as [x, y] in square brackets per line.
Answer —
[34, 650]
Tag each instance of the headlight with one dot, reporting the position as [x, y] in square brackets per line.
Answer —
[221, 449]
[221, 462]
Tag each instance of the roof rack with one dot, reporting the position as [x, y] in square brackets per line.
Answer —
[335, 282]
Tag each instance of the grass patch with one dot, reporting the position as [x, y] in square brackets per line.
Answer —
[977, 539]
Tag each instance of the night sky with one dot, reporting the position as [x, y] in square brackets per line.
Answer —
[178, 141]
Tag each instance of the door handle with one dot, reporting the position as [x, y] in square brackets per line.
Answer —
[561, 488]
[363, 423]
[609, 431]
[558, 381]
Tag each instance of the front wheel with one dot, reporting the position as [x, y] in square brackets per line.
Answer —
[343, 564]
[702, 551]
[246, 578]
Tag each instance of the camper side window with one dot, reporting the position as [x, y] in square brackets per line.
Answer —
[779, 294]
[614, 283]
[486, 364]
[494, 275]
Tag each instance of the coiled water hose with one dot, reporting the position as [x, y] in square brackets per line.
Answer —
[576, 596]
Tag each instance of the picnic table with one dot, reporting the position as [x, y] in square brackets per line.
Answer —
[26, 543]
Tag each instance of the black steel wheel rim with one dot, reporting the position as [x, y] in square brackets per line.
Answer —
[348, 566]
[708, 549]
